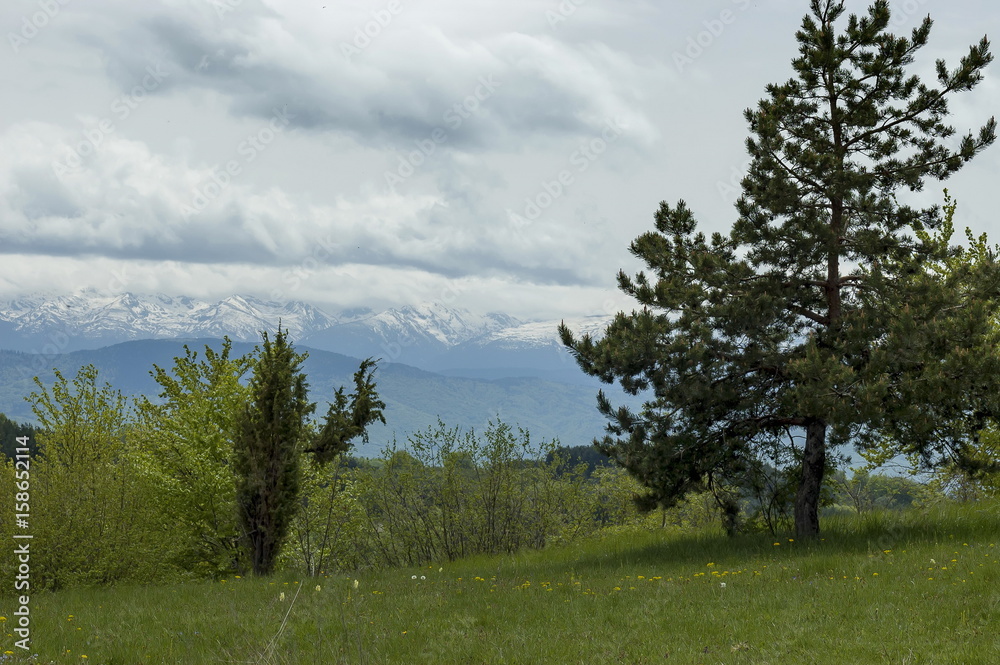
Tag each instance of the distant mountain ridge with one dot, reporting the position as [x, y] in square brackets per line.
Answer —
[91, 320]
[432, 336]
[415, 398]
[415, 335]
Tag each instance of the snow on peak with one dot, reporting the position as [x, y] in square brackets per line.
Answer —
[447, 325]
[106, 318]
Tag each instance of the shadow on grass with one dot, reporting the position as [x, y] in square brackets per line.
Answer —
[841, 535]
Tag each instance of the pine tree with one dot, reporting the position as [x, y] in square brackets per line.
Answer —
[267, 449]
[818, 315]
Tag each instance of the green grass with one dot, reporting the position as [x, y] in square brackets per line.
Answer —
[914, 588]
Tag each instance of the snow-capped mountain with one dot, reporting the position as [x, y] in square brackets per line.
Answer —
[433, 336]
[412, 335]
[447, 325]
[89, 319]
[528, 349]
[539, 334]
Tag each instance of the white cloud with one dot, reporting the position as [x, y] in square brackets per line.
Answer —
[315, 201]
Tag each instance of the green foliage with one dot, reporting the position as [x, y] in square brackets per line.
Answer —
[865, 492]
[92, 514]
[328, 532]
[187, 456]
[347, 420]
[450, 495]
[819, 313]
[267, 446]
[571, 456]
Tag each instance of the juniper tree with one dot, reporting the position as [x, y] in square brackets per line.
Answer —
[267, 448]
[272, 433]
[817, 316]
[347, 419]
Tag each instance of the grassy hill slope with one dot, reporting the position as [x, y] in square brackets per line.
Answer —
[907, 588]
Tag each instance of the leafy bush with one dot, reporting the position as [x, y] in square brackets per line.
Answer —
[449, 495]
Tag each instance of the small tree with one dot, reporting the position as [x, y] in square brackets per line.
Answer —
[188, 454]
[267, 446]
[92, 513]
[817, 316]
[271, 435]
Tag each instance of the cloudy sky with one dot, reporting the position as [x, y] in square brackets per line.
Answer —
[496, 154]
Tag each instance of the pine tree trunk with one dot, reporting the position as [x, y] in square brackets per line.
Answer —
[813, 465]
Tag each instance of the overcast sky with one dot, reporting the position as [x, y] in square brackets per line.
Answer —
[494, 154]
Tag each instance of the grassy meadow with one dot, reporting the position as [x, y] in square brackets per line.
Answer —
[901, 588]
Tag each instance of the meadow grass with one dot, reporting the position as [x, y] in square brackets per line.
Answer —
[903, 588]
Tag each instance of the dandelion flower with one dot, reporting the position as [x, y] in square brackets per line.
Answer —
[355, 584]
[318, 587]
[281, 596]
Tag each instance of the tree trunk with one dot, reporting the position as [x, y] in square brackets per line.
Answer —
[813, 465]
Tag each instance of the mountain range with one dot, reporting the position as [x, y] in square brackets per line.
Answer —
[415, 399]
[434, 336]
[436, 361]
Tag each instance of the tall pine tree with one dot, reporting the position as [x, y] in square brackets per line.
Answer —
[818, 317]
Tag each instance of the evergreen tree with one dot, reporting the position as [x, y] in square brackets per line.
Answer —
[267, 448]
[346, 419]
[819, 314]
[10, 431]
